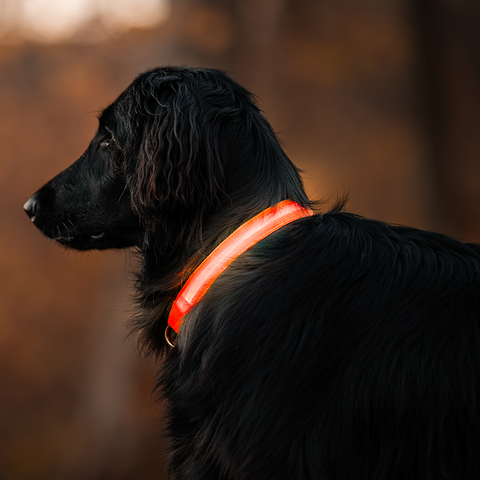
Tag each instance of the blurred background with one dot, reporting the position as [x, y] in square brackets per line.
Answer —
[380, 98]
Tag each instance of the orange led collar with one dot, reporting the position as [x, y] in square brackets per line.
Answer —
[250, 233]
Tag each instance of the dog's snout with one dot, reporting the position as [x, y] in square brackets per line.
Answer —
[30, 207]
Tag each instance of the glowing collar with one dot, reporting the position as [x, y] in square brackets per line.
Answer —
[250, 233]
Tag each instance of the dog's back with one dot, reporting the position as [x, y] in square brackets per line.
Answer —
[338, 348]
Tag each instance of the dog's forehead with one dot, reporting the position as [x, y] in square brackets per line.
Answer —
[111, 119]
[107, 116]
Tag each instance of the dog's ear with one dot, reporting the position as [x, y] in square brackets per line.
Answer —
[177, 165]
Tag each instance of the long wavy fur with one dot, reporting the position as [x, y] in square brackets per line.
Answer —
[205, 148]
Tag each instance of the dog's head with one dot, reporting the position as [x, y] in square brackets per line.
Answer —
[161, 156]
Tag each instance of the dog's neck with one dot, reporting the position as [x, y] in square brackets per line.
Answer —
[243, 238]
[166, 268]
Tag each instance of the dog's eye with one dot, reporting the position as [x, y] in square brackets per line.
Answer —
[107, 141]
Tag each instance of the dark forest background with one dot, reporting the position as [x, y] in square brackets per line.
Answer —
[380, 98]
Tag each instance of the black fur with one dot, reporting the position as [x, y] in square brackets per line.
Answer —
[338, 348]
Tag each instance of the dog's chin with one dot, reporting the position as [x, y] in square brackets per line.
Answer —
[97, 240]
[82, 242]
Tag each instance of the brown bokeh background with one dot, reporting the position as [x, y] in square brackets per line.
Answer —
[377, 98]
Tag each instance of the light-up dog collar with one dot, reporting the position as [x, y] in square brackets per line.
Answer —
[250, 233]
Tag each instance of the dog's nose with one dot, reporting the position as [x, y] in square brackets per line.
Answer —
[30, 207]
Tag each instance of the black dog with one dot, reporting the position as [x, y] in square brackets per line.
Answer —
[337, 348]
